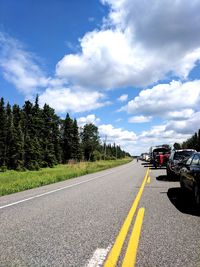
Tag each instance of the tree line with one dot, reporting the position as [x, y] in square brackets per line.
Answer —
[192, 142]
[32, 137]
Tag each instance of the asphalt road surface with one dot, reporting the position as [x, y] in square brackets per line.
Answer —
[125, 216]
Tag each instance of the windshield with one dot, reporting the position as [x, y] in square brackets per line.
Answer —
[161, 150]
[183, 154]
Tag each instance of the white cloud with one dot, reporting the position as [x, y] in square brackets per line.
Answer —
[91, 118]
[116, 135]
[123, 98]
[187, 126]
[139, 119]
[20, 67]
[158, 135]
[103, 64]
[139, 43]
[157, 23]
[72, 99]
[180, 115]
[176, 100]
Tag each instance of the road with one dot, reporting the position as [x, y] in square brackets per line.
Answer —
[81, 222]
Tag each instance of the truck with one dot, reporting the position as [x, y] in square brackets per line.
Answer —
[159, 155]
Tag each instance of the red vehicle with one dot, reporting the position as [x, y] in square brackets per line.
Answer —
[159, 156]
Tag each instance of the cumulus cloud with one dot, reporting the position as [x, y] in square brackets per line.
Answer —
[158, 135]
[126, 139]
[123, 98]
[187, 126]
[139, 119]
[139, 43]
[157, 24]
[175, 100]
[102, 64]
[20, 67]
[116, 135]
[91, 118]
[72, 99]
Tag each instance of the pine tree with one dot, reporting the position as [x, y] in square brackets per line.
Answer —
[2, 135]
[32, 151]
[76, 152]
[17, 152]
[36, 128]
[67, 138]
[48, 158]
[9, 136]
[56, 138]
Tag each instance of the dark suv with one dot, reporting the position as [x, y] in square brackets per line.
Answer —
[177, 156]
[190, 176]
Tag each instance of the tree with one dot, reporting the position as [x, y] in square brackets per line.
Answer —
[32, 152]
[17, 152]
[56, 138]
[3, 134]
[76, 152]
[47, 137]
[9, 136]
[90, 140]
[68, 132]
[177, 146]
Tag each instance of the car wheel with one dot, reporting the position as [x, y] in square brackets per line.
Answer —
[197, 194]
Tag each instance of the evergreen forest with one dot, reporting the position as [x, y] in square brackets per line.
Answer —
[32, 137]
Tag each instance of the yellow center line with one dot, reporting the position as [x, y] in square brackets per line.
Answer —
[116, 249]
[131, 252]
[148, 180]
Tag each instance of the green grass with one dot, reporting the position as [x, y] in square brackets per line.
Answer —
[14, 181]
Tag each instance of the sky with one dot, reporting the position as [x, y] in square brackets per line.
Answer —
[131, 67]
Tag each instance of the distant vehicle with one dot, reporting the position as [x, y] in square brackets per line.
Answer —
[176, 157]
[190, 176]
[145, 156]
[159, 156]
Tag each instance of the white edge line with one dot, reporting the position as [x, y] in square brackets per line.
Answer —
[53, 191]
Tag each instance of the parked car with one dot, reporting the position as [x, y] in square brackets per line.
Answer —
[190, 176]
[147, 157]
[144, 156]
[176, 157]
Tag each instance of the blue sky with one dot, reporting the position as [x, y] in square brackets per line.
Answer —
[129, 66]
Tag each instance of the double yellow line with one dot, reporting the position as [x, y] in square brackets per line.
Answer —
[130, 256]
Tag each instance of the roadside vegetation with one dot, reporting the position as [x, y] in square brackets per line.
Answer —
[15, 181]
[32, 137]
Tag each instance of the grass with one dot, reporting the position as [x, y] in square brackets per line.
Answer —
[14, 181]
